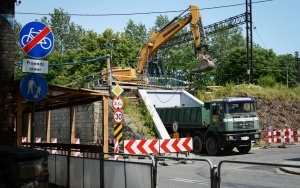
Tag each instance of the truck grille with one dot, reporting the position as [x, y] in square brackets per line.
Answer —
[242, 125]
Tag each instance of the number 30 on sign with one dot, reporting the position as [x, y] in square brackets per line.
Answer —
[118, 116]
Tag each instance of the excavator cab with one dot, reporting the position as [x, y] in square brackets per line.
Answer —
[205, 64]
[156, 67]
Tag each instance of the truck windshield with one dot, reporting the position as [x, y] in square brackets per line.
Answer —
[239, 107]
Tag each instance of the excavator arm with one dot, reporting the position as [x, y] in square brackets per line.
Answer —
[158, 38]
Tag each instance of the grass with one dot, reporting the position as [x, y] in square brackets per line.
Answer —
[279, 91]
[140, 116]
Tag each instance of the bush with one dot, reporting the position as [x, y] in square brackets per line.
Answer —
[267, 81]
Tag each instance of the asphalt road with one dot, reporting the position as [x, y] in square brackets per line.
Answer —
[193, 174]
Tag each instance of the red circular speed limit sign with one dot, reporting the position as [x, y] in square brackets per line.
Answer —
[118, 116]
[117, 103]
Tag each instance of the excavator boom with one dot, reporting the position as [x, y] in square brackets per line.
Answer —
[158, 38]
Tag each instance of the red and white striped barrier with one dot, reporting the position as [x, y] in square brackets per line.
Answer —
[158, 146]
[176, 145]
[54, 141]
[24, 140]
[77, 153]
[62, 152]
[38, 140]
[110, 141]
[91, 155]
[282, 136]
[116, 149]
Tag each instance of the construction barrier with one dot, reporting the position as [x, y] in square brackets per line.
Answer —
[62, 152]
[282, 136]
[77, 152]
[53, 150]
[116, 150]
[91, 155]
[111, 141]
[158, 146]
[38, 140]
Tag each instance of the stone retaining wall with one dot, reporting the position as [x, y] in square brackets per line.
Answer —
[88, 123]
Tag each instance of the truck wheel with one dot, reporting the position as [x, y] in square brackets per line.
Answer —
[197, 144]
[244, 149]
[212, 146]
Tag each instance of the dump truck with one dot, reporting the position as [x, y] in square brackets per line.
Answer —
[220, 124]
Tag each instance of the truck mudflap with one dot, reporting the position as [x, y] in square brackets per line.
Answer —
[238, 139]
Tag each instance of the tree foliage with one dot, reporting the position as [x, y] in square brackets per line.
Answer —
[76, 54]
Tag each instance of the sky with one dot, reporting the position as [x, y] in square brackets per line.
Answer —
[275, 22]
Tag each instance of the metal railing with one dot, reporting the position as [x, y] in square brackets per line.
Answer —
[67, 171]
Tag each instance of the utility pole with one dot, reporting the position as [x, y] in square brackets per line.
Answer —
[286, 74]
[297, 65]
[249, 40]
[7, 56]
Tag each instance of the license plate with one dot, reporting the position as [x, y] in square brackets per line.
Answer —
[245, 138]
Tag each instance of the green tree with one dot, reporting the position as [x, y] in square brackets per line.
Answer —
[67, 34]
[68, 37]
[220, 44]
[136, 32]
[286, 71]
[235, 66]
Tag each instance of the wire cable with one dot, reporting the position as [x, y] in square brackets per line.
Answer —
[259, 35]
[141, 13]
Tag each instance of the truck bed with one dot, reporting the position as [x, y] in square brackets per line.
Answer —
[186, 117]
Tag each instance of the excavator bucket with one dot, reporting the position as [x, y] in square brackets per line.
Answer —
[205, 64]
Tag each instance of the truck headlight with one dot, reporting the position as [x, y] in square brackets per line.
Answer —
[256, 136]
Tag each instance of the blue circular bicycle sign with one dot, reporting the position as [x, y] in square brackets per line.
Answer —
[36, 39]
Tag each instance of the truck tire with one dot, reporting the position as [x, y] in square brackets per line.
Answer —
[198, 144]
[244, 149]
[212, 146]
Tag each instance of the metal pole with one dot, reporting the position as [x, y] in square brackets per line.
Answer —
[287, 74]
[32, 126]
[110, 73]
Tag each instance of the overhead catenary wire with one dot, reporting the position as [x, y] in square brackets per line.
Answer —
[142, 13]
[255, 29]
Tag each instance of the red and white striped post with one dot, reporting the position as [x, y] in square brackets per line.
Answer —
[116, 149]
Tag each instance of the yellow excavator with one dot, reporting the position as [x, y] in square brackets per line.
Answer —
[159, 38]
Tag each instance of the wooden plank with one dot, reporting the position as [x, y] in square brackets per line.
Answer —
[29, 128]
[105, 125]
[72, 127]
[48, 128]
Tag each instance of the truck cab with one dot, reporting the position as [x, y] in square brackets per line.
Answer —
[233, 123]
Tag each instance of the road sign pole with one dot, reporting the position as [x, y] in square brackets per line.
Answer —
[32, 125]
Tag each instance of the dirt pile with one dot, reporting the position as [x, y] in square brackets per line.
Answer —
[278, 114]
